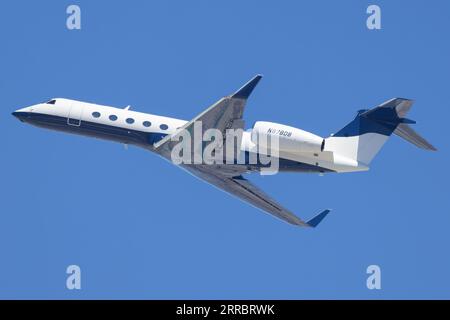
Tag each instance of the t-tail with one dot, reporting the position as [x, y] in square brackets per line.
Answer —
[362, 139]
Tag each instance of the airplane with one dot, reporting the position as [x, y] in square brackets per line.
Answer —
[351, 149]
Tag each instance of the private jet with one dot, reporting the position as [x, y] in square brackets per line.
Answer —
[350, 149]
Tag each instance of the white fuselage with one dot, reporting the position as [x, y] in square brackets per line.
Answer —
[142, 129]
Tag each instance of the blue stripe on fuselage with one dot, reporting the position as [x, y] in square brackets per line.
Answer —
[93, 129]
[142, 139]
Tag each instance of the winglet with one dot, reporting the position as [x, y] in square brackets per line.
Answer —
[314, 222]
[246, 90]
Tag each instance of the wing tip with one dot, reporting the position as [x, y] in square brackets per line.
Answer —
[245, 91]
[314, 222]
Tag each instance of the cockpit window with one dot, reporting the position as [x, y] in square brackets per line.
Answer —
[53, 101]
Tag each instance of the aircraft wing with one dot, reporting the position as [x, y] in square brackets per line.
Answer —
[227, 114]
[242, 188]
[224, 114]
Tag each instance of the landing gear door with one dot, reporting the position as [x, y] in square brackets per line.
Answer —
[74, 118]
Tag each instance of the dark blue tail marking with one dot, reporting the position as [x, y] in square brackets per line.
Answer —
[383, 120]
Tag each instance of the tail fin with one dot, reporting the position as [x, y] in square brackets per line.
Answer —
[363, 138]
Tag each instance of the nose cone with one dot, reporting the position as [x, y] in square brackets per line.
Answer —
[22, 114]
[16, 114]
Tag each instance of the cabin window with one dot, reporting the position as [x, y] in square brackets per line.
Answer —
[146, 124]
[130, 120]
[164, 127]
[53, 101]
[96, 114]
[113, 117]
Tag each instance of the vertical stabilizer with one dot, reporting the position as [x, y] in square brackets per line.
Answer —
[363, 137]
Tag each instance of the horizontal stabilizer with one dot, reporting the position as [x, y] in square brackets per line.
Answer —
[406, 132]
[314, 222]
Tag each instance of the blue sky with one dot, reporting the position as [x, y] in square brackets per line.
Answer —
[140, 228]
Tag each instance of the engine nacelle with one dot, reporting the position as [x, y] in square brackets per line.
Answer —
[290, 139]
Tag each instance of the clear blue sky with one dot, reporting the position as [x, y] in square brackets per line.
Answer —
[141, 228]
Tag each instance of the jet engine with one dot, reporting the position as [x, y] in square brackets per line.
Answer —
[290, 139]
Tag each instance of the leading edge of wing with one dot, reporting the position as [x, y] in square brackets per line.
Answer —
[243, 189]
[219, 114]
